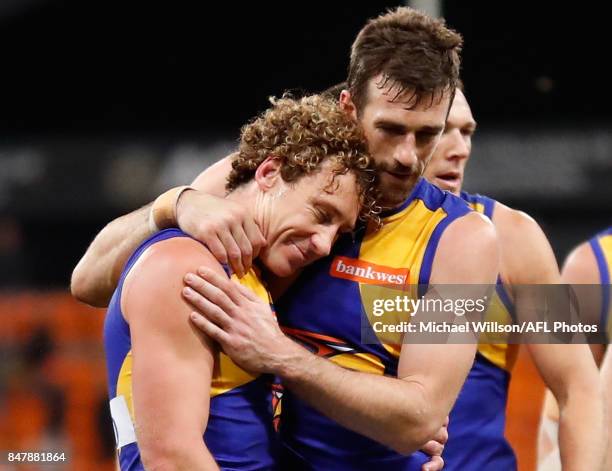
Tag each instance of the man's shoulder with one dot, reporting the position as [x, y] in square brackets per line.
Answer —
[479, 203]
[524, 246]
[156, 275]
[162, 248]
[581, 265]
[467, 252]
[518, 231]
[508, 221]
[472, 225]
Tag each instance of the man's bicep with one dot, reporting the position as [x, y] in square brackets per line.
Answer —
[468, 253]
[560, 365]
[172, 361]
[468, 258]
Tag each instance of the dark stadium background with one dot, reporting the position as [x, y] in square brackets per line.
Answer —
[104, 104]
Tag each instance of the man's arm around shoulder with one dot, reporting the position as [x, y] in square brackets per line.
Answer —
[222, 225]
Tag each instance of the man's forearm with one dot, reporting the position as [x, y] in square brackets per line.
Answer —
[95, 277]
[392, 411]
[582, 434]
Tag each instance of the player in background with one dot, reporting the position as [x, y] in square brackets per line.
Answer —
[590, 263]
[476, 429]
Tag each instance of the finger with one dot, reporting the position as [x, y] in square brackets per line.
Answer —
[207, 290]
[441, 435]
[435, 464]
[446, 421]
[247, 293]
[210, 329]
[255, 236]
[222, 283]
[244, 244]
[433, 448]
[216, 248]
[233, 252]
[211, 311]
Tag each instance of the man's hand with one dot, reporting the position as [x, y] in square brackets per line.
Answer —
[226, 228]
[434, 448]
[244, 326]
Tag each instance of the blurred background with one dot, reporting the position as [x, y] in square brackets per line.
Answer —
[105, 104]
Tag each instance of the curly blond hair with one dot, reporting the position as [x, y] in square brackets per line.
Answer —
[302, 134]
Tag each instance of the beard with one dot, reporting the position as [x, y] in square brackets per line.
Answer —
[397, 182]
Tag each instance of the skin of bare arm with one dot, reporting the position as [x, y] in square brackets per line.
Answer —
[170, 402]
[95, 277]
[230, 233]
[406, 411]
[580, 268]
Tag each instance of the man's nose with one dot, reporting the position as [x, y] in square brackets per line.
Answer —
[459, 148]
[406, 152]
[323, 240]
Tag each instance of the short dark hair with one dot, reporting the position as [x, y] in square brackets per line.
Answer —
[411, 50]
[333, 92]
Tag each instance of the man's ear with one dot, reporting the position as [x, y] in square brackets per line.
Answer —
[268, 173]
[346, 103]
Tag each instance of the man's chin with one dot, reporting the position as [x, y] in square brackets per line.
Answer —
[393, 197]
[390, 201]
[453, 185]
[396, 190]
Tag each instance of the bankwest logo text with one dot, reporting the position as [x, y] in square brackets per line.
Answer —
[365, 272]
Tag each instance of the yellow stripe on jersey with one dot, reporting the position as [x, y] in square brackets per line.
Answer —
[478, 207]
[605, 266]
[400, 244]
[364, 362]
[124, 383]
[252, 281]
[606, 247]
[226, 374]
[402, 241]
[494, 347]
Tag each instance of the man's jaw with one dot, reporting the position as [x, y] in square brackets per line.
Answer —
[396, 188]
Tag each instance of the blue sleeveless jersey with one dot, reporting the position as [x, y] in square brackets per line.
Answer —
[239, 433]
[476, 431]
[326, 309]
